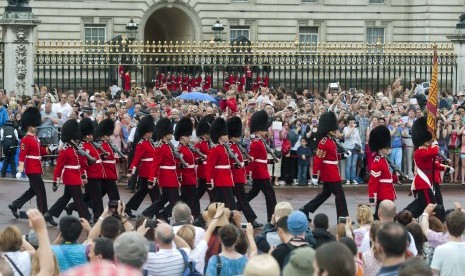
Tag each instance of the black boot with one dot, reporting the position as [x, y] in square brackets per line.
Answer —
[256, 224]
[14, 210]
[306, 214]
[129, 213]
[69, 210]
[48, 218]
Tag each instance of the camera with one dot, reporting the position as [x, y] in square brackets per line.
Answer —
[438, 208]
[343, 220]
[113, 204]
[243, 225]
[151, 224]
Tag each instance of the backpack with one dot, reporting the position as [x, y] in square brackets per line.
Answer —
[189, 266]
[9, 137]
[291, 248]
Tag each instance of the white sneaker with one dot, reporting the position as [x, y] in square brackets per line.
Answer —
[282, 183]
[347, 182]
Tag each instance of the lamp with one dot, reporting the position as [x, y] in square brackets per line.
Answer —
[131, 29]
[217, 29]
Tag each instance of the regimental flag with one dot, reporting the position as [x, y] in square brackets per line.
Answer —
[433, 96]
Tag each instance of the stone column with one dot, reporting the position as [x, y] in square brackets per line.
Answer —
[18, 24]
[458, 39]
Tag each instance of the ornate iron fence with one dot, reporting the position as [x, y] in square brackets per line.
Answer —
[74, 65]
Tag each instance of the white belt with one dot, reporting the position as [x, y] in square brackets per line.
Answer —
[147, 159]
[77, 167]
[223, 167]
[204, 162]
[190, 167]
[385, 180]
[8, 136]
[109, 161]
[330, 162]
[34, 157]
[261, 161]
[98, 161]
[168, 167]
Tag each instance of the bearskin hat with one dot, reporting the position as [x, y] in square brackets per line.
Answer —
[218, 129]
[327, 123]
[183, 128]
[380, 138]
[106, 127]
[204, 125]
[259, 121]
[163, 127]
[69, 131]
[86, 126]
[145, 125]
[420, 133]
[31, 118]
[234, 125]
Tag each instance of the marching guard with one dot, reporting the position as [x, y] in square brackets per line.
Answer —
[204, 145]
[71, 171]
[30, 156]
[261, 179]
[145, 154]
[325, 166]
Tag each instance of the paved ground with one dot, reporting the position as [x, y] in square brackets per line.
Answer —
[298, 196]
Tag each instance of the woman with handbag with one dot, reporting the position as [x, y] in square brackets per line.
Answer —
[352, 142]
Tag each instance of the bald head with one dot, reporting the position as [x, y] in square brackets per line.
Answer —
[387, 211]
[164, 234]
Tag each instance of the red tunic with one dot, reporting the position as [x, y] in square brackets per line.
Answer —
[232, 80]
[30, 153]
[239, 174]
[70, 166]
[164, 168]
[208, 83]
[248, 72]
[259, 166]
[144, 156]
[326, 161]
[226, 83]
[203, 147]
[188, 175]
[266, 81]
[177, 83]
[109, 164]
[198, 81]
[240, 87]
[426, 163]
[127, 81]
[380, 182]
[192, 83]
[185, 84]
[218, 168]
[94, 171]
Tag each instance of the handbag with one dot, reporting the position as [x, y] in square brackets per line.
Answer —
[286, 148]
[454, 141]
[357, 148]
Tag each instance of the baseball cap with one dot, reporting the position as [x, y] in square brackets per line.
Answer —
[297, 223]
[300, 262]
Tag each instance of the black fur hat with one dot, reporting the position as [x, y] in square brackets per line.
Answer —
[69, 131]
[259, 121]
[420, 133]
[105, 127]
[31, 117]
[327, 123]
[218, 129]
[145, 125]
[86, 126]
[204, 124]
[163, 127]
[234, 125]
[380, 138]
[183, 128]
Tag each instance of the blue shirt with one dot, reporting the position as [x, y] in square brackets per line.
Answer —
[228, 266]
[69, 255]
[3, 116]
[389, 270]
[303, 151]
[131, 111]
[396, 141]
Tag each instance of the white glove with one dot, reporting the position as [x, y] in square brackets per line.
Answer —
[52, 147]
[19, 175]
[434, 143]
[451, 170]
[348, 155]
[315, 181]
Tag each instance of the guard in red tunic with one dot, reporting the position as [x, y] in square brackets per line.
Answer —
[232, 80]
[427, 169]
[266, 80]
[255, 85]
[95, 172]
[30, 155]
[103, 132]
[185, 83]
[144, 156]
[218, 168]
[187, 175]
[208, 82]
[177, 82]
[241, 85]
[71, 171]
[234, 125]
[248, 76]
[325, 166]
[380, 183]
[204, 145]
[259, 150]
[163, 170]
[226, 81]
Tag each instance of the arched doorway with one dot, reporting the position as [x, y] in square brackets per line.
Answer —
[169, 24]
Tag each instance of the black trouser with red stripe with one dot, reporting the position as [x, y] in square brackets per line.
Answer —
[74, 192]
[93, 189]
[138, 197]
[226, 196]
[168, 194]
[202, 188]
[190, 195]
[109, 188]
[243, 203]
[329, 188]
[265, 186]
[423, 198]
[37, 189]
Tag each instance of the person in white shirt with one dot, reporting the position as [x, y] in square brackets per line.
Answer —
[182, 215]
[62, 109]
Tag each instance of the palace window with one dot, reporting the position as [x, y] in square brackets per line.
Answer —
[95, 33]
[376, 1]
[237, 31]
[375, 34]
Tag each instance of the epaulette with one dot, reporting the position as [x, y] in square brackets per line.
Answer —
[377, 158]
[323, 141]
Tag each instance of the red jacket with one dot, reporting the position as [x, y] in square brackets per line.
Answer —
[380, 182]
[326, 161]
[109, 164]
[30, 153]
[425, 160]
[94, 171]
[208, 83]
[164, 168]
[144, 156]
[259, 166]
[266, 81]
[203, 148]
[239, 174]
[70, 166]
[127, 82]
[188, 175]
[218, 168]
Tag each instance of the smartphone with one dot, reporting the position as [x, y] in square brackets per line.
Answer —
[353, 90]
[343, 220]
[334, 85]
[23, 215]
[413, 101]
[243, 225]
[151, 224]
[113, 205]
